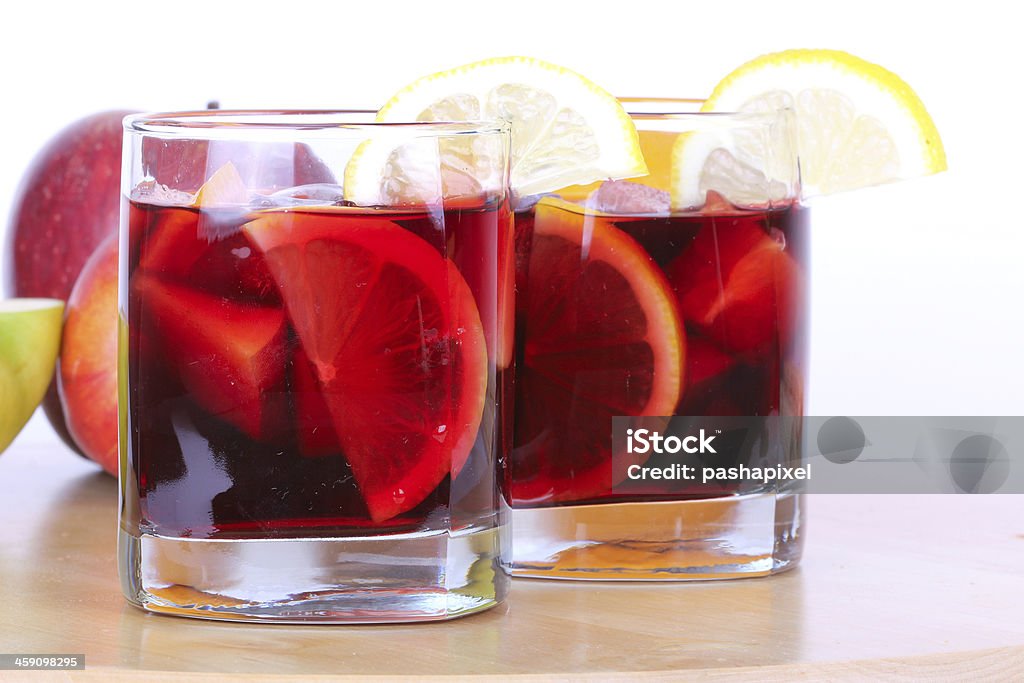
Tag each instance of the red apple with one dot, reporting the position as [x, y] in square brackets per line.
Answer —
[68, 202]
[87, 368]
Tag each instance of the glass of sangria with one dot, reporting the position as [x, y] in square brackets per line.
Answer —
[310, 315]
[676, 295]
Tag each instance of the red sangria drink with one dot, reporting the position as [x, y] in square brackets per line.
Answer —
[661, 269]
[312, 380]
[675, 295]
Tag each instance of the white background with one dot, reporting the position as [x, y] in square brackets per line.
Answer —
[917, 286]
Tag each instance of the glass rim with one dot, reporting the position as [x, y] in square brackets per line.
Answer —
[684, 108]
[210, 123]
[678, 105]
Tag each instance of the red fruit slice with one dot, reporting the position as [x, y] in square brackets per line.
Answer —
[172, 245]
[234, 268]
[183, 237]
[602, 338]
[202, 245]
[229, 267]
[738, 285]
[230, 357]
[395, 337]
[313, 417]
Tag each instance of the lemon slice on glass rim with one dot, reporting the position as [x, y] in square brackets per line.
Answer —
[857, 125]
[565, 130]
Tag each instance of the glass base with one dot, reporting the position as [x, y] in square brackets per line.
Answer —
[719, 538]
[400, 578]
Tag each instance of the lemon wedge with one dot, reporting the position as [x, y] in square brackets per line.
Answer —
[857, 125]
[565, 130]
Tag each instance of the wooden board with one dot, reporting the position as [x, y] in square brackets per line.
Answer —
[922, 585]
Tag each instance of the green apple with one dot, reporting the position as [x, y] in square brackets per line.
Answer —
[29, 344]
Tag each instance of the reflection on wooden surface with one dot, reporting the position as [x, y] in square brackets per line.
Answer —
[935, 581]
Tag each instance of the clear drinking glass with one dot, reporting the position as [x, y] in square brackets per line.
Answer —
[680, 293]
[312, 318]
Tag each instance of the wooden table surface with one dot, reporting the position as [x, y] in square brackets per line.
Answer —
[927, 586]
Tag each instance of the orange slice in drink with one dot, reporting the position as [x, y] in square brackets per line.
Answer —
[601, 337]
[394, 338]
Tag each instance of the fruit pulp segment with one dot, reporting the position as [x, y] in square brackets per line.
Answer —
[684, 313]
[313, 370]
